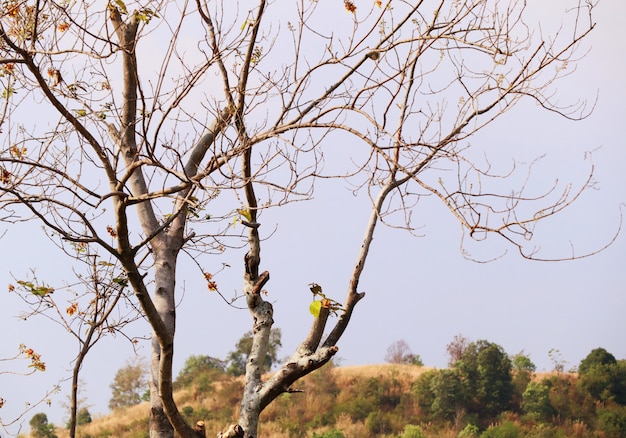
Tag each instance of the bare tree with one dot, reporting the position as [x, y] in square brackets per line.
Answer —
[400, 352]
[456, 348]
[97, 305]
[240, 107]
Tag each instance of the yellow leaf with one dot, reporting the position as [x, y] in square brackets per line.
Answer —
[245, 213]
[121, 6]
[315, 308]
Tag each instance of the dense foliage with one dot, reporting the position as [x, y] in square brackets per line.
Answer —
[603, 377]
[40, 428]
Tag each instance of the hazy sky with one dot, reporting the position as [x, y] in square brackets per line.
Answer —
[419, 289]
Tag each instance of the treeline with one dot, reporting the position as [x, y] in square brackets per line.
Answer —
[487, 393]
[484, 393]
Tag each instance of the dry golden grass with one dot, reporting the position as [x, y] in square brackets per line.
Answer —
[410, 371]
[347, 373]
[352, 430]
[224, 397]
[113, 422]
[538, 377]
[119, 420]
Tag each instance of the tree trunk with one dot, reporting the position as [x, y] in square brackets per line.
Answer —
[160, 426]
[164, 301]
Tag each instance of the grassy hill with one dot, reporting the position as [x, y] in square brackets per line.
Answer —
[217, 403]
[349, 402]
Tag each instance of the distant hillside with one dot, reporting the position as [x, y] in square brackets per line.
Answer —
[217, 402]
[342, 402]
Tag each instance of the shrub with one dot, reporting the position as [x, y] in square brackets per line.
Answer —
[567, 401]
[507, 429]
[378, 423]
[187, 411]
[469, 431]
[536, 402]
[412, 431]
[370, 395]
[612, 421]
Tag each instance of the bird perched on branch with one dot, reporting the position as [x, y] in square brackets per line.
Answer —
[55, 77]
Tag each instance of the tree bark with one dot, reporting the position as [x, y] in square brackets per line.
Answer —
[165, 274]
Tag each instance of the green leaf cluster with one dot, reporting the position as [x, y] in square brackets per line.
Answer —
[145, 15]
[8, 92]
[39, 291]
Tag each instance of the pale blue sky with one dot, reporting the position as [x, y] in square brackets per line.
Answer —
[419, 289]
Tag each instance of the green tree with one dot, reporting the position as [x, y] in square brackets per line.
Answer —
[522, 364]
[486, 370]
[129, 384]
[523, 370]
[197, 365]
[450, 395]
[422, 388]
[236, 359]
[597, 357]
[536, 402]
[442, 394]
[603, 377]
[40, 428]
[83, 417]
[417, 360]
[619, 382]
